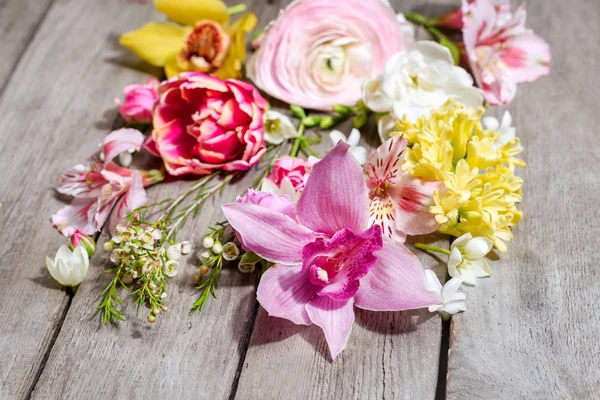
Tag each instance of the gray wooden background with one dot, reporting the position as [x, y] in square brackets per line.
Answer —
[530, 332]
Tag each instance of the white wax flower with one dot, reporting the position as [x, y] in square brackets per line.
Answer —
[230, 251]
[171, 268]
[467, 258]
[452, 300]
[69, 268]
[278, 127]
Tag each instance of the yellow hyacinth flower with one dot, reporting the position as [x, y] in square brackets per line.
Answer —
[480, 189]
[202, 38]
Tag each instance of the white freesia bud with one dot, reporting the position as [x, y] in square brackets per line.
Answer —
[171, 268]
[217, 248]
[451, 300]
[467, 258]
[230, 251]
[208, 242]
[174, 252]
[69, 268]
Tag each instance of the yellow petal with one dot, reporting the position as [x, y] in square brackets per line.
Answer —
[188, 12]
[155, 42]
[232, 65]
[246, 23]
[172, 66]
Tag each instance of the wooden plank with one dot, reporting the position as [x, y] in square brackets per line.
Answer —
[531, 330]
[19, 20]
[52, 115]
[389, 355]
[179, 355]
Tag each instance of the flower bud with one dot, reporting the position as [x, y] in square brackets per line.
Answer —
[204, 256]
[208, 242]
[174, 252]
[248, 262]
[171, 268]
[217, 248]
[230, 251]
[204, 270]
[151, 318]
[109, 245]
[81, 239]
[185, 247]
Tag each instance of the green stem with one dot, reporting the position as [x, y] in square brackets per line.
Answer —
[417, 18]
[432, 248]
[240, 8]
[298, 141]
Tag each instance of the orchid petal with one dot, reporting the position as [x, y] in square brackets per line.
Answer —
[272, 235]
[121, 140]
[335, 196]
[335, 318]
[155, 42]
[188, 12]
[284, 292]
[396, 282]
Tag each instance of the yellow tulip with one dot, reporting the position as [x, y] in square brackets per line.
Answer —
[201, 39]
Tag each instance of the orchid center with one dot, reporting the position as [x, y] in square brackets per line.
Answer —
[336, 264]
[204, 48]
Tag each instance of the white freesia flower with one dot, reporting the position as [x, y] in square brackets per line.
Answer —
[418, 81]
[359, 152]
[69, 268]
[452, 300]
[504, 128]
[278, 127]
[467, 258]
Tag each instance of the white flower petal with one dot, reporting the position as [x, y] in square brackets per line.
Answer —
[354, 138]
[454, 260]
[432, 283]
[337, 136]
[478, 247]
[455, 307]
[481, 268]
[360, 153]
[461, 241]
[451, 287]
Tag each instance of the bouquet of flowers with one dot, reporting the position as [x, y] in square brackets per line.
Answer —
[325, 231]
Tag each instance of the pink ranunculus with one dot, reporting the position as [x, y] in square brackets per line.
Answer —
[139, 102]
[203, 124]
[329, 259]
[99, 187]
[501, 51]
[318, 52]
[399, 202]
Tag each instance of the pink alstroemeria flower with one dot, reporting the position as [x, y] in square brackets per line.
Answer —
[399, 202]
[329, 258]
[501, 51]
[98, 186]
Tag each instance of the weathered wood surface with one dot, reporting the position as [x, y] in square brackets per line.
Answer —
[54, 111]
[531, 331]
[19, 21]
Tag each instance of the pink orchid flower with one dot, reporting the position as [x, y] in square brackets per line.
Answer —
[329, 258]
[501, 51]
[98, 186]
[399, 202]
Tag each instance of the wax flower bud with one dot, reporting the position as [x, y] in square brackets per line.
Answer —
[208, 242]
[248, 262]
[81, 239]
[230, 251]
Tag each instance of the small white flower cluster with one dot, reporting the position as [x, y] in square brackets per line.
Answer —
[213, 250]
[140, 253]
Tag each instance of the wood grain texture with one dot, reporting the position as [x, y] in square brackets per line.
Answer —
[531, 331]
[54, 111]
[19, 20]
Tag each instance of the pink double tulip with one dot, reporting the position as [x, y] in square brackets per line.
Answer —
[318, 52]
[203, 124]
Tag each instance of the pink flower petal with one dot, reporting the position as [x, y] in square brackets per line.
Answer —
[396, 282]
[335, 318]
[74, 217]
[133, 199]
[272, 235]
[121, 140]
[335, 196]
[284, 292]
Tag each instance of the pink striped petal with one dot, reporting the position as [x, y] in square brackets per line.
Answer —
[272, 235]
[133, 199]
[335, 196]
[284, 292]
[121, 140]
[396, 282]
[335, 318]
[74, 217]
